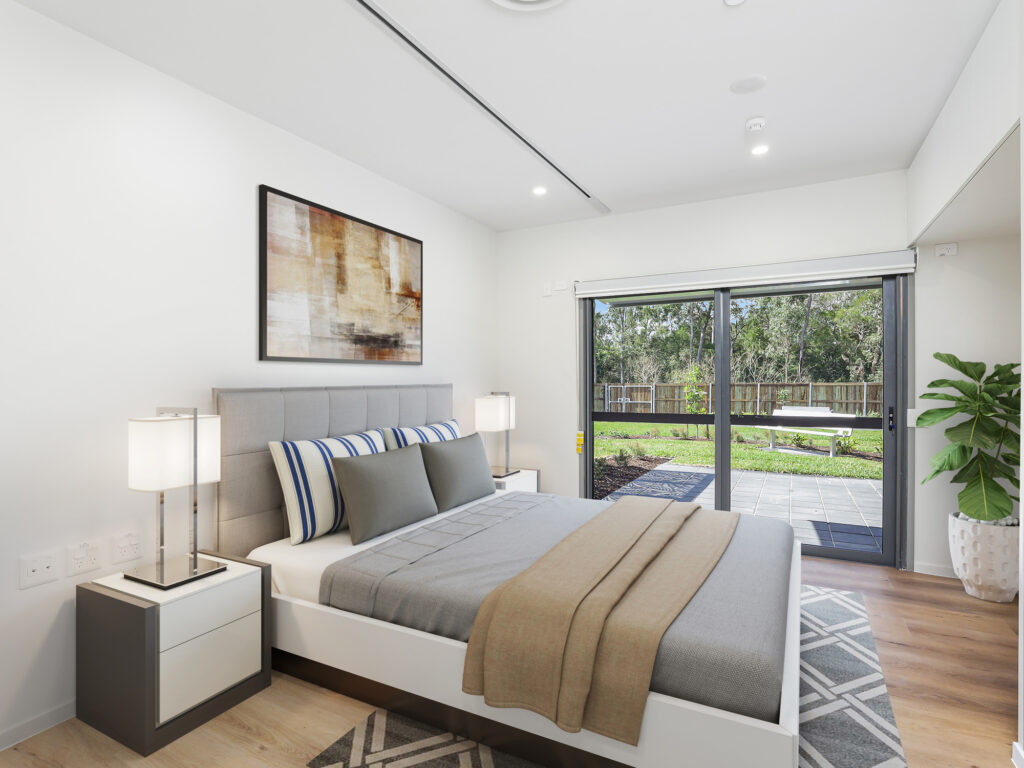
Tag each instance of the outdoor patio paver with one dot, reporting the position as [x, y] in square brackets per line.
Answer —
[838, 512]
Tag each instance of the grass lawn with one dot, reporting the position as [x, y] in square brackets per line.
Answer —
[658, 440]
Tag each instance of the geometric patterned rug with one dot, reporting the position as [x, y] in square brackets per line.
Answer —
[846, 719]
[387, 739]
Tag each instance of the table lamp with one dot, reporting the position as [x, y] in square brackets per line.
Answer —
[496, 412]
[175, 449]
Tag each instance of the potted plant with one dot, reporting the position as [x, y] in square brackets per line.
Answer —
[984, 454]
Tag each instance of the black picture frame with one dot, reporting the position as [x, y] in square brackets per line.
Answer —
[264, 192]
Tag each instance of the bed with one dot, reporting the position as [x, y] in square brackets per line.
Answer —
[428, 664]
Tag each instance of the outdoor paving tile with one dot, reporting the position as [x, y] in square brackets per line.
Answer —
[807, 515]
[801, 526]
[850, 528]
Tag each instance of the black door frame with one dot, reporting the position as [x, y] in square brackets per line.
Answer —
[891, 421]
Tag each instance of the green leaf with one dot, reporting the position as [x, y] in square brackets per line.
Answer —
[966, 387]
[998, 389]
[935, 415]
[969, 470]
[1004, 372]
[985, 499]
[973, 371]
[940, 396]
[953, 456]
[979, 432]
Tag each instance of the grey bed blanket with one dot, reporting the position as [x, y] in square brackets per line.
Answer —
[724, 650]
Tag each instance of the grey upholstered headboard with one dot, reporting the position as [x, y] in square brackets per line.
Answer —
[249, 496]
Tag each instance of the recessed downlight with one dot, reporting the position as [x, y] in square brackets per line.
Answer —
[527, 5]
[733, 3]
[540, 191]
[748, 84]
[757, 139]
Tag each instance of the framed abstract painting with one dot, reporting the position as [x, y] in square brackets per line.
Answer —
[334, 288]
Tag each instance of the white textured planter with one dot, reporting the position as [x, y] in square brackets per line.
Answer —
[985, 558]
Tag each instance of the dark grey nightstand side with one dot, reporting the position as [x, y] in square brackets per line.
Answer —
[116, 667]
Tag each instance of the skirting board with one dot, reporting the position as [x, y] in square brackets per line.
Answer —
[43, 722]
[934, 569]
[1018, 755]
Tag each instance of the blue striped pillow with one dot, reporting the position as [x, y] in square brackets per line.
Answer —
[402, 437]
[312, 498]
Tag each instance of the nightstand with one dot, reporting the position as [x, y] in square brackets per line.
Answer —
[154, 664]
[523, 480]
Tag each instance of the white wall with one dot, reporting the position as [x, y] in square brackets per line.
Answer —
[970, 305]
[129, 217]
[538, 338]
[981, 111]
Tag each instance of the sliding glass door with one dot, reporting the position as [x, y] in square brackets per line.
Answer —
[779, 401]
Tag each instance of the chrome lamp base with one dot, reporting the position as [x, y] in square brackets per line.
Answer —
[174, 572]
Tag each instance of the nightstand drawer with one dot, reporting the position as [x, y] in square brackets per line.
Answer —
[194, 671]
[197, 614]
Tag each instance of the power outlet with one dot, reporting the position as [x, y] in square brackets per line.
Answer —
[34, 570]
[125, 547]
[83, 557]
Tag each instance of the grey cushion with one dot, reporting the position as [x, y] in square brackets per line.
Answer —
[457, 470]
[384, 491]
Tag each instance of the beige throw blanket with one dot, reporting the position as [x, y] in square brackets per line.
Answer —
[575, 635]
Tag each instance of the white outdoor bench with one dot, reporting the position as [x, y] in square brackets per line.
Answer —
[802, 411]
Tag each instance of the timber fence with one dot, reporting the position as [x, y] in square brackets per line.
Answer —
[854, 398]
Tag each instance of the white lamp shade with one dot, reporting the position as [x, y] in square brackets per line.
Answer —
[160, 452]
[495, 413]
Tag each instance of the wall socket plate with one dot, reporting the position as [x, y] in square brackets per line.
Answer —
[125, 547]
[34, 570]
[84, 557]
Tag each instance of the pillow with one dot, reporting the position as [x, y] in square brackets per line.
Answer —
[384, 492]
[401, 437]
[313, 504]
[457, 470]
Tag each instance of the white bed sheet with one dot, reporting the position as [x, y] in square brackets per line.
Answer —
[296, 568]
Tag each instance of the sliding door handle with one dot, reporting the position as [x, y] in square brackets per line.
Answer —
[892, 419]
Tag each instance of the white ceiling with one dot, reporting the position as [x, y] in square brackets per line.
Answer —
[631, 99]
[988, 205]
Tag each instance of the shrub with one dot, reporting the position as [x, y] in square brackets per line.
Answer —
[738, 437]
[676, 432]
[799, 440]
[622, 458]
[600, 467]
[637, 449]
[654, 432]
[844, 446]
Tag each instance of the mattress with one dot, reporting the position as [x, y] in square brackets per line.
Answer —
[725, 649]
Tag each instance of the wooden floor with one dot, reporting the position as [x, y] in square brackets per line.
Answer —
[950, 662]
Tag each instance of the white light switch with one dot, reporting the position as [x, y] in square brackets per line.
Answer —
[546, 289]
[561, 285]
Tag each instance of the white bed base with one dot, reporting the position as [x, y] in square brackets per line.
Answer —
[675, 732]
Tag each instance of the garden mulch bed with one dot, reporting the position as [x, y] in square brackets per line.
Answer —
[615, 476]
